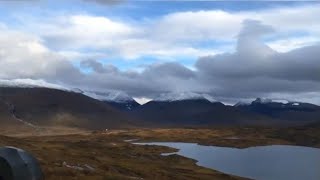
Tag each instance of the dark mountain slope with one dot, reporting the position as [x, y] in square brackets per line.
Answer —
[123, 106]
[46, 107]
[292, 111]
[199, 112]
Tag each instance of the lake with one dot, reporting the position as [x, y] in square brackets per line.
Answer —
[275, 162]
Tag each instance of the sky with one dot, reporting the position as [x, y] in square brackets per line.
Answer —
[231, 50]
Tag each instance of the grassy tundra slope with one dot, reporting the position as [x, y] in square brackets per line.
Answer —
[113, 158]
[108, 157]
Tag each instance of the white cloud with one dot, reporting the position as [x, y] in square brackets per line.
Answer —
[254, 69]
[106, 37]
[172, 35]
[74, 55]
[198, 25]
[134, 48]
[292, 18]
[285, 45]
[218, 24]
[26, 52]
[84, 31]
[23, 55]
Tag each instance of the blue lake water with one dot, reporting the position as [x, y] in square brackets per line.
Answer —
[276, 162]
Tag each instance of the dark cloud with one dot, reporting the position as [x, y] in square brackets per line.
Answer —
[169, 69]
[257, 70]
[253, 70]
[154, 79]
[98, 67]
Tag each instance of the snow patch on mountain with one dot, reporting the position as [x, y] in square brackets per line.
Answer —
[111, 96]
[179, 96]
[142, 100]
[30, 83]
[282, 101]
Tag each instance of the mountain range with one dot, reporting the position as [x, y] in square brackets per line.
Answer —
[282, 110]
[50, 106]
[203, 110]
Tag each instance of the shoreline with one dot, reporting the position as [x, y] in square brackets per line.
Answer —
[112, 157]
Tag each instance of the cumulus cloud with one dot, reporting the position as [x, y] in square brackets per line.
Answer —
[257, 70]
[106, 37]
[98, 67]
[254, 68]
[23, 55]
[154, 79]
[285, 45]
[169, 69]
[170, 36]
[224, 25]
[83, 31]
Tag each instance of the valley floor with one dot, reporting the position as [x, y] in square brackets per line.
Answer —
[107, 155]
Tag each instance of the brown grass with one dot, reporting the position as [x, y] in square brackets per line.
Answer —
[113, 158]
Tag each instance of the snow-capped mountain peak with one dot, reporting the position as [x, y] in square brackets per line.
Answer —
[179, 96]
[30, 83]
[111, 96]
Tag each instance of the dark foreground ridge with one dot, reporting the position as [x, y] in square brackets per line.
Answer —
[52, 107]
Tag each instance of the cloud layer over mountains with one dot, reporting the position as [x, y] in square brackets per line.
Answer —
[253, 69]
[257, 70]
